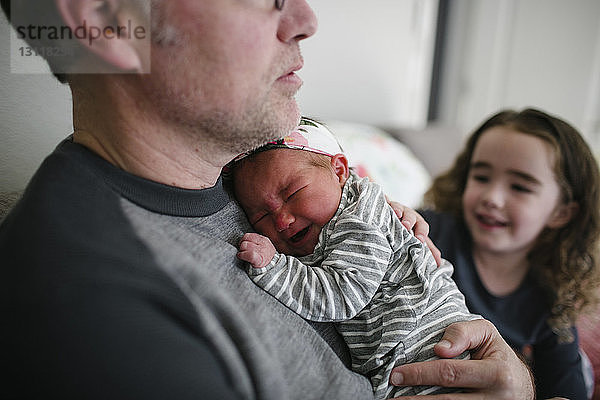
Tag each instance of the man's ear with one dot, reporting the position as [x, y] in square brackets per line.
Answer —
[110, 29]
[562, 215]
[339, 163]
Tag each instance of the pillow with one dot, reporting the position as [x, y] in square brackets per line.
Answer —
[374, 153]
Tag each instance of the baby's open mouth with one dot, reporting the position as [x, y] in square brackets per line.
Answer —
[300, 235]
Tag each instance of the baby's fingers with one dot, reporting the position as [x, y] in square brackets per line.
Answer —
[250, 257]
[256, 249]
[254, 238]
[254, 258]
[250, 251]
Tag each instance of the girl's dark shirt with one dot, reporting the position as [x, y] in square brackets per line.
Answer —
[521, 317]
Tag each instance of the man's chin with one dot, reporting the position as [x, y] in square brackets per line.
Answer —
[289, 115]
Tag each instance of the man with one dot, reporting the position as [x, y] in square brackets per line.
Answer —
[120, 272]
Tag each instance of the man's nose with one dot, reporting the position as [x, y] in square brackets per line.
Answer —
[298, 21]
[283, 220]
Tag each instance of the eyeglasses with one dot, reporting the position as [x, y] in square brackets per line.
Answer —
[279, 4]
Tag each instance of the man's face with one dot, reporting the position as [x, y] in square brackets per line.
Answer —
[227, 67]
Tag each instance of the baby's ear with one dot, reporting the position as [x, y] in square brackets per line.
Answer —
[339, 163]
[562, 215]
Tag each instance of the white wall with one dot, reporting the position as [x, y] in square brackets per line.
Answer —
[518, 53]
[35, 114]
[370, 61]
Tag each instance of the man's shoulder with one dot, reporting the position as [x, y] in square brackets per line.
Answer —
[67, 221]
[62, 190]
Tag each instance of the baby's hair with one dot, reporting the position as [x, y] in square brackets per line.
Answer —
[319, 160]
[564, 260]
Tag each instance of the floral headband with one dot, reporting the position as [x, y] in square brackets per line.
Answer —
[309, 135]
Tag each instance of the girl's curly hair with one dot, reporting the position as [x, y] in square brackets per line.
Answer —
[564, 260]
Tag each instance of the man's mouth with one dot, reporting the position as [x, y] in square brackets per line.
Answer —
[295, 68]
[300, 235]
[290, 74]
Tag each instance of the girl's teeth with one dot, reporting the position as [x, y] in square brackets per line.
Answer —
[491, 221]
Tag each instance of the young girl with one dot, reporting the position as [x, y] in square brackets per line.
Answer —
[518, 216]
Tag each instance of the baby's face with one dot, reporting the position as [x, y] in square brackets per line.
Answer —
[287, 198]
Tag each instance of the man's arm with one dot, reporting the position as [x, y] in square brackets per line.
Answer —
[494, 371]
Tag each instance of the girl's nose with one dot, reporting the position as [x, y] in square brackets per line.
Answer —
[494, 197]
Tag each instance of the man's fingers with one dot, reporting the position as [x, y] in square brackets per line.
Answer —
[449, 396]
[420, 226]
[414, 222]
[409, 219]
[437, 254]
[462, 336]
[458, 337]
[468, 374]
[493, 368]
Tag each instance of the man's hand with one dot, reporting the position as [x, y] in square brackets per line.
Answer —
[256, 249]
[414, 222]
[494, 371]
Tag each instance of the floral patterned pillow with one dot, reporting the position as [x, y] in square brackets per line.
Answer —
[374, 153]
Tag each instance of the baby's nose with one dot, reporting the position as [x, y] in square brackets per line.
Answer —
[283, 220]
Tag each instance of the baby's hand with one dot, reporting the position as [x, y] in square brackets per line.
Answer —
[256, 249]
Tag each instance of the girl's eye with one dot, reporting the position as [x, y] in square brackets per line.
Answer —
[521, 188]
[480, 178]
